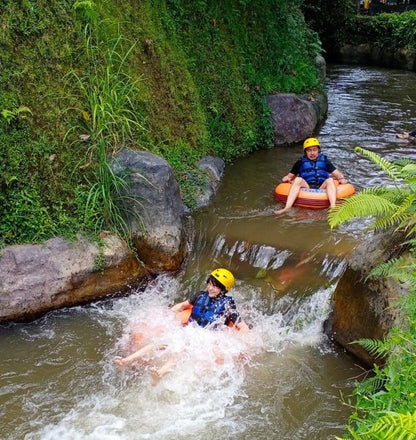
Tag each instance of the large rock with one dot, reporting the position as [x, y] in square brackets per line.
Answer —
[295, 117]
[214, 169]
[158, 225]
[362, 308]
[37, 278]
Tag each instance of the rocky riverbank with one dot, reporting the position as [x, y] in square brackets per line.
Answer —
[370, 55]
[37, 278]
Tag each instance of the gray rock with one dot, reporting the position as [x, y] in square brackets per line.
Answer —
[362, 307]
[35, 279]
[160, 234]
[295, 117]
[367, 54]
[214, 168]
[321, 67]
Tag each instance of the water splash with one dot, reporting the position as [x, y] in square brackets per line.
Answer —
[203, 395]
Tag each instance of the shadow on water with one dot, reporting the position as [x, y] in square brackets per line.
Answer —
[284, 378]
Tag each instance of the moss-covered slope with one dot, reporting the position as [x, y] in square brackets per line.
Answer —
[181, 78]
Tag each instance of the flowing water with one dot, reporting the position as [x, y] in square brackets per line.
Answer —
[283, 379]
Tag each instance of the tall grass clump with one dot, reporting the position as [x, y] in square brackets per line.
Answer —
[110, 120]
[384, 404]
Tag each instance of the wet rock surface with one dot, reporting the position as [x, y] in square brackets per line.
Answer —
[37, 278]
[362, 307]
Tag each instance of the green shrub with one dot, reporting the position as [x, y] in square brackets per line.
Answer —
[384, 30]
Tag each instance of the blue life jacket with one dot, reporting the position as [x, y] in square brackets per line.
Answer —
[314, 171]
[208, 310]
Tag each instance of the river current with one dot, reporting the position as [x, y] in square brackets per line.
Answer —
[282, 380]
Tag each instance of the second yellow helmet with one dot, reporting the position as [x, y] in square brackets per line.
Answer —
[225, 277]
[311, 142]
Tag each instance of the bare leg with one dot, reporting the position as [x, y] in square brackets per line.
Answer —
[165, 368]
[331, 190]
[219, 356]
[128, 360]
[295, 188]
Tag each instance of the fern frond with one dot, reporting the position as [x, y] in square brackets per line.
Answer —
[412, 242]
[408, 203]
[383, 223]
[408, 278]
[412, 184]
[359, 206]
[386, 269]
[391, 169]
[410, 226]
[394, 194]
[409, 170]
[394, 426]
[371, 385]
[375, 347]
[402, 162]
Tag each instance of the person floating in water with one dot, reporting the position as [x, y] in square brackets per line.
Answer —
[408, 135]
[211, 308]
[312, 170]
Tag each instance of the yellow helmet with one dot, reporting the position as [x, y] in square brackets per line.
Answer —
[311, 142]
[225, 277]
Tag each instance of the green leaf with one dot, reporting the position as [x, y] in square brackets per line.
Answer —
[359, 206]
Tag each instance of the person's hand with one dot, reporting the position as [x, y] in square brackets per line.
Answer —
[176, 307]
[343, 180]
[286, 178]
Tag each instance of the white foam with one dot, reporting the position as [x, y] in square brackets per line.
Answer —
[197, 398]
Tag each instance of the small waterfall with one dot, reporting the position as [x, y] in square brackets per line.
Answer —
[257, 255]
[333, 268]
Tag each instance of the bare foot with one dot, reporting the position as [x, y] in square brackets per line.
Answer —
[119, 361]
[155, 376]
[281, 211]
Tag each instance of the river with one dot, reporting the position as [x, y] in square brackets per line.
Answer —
[282, 380]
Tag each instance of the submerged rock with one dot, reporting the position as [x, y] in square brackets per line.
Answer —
[214, 168]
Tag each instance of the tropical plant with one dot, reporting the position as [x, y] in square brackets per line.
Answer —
[384, 407]
[108, 93]
[392, 426]
[110, 192]
[391, 206]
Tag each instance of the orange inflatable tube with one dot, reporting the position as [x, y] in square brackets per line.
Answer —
[313, 198]
[183, 316]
